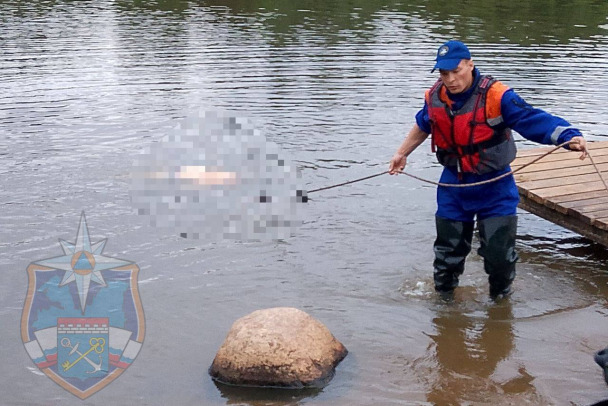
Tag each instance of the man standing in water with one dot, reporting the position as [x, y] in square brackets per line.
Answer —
[470, 117]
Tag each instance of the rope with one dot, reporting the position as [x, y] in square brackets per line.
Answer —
[461, 185]
[598, 171]
[347, 183]
[497, 178]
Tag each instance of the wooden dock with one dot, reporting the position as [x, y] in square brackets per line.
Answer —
[565, 190]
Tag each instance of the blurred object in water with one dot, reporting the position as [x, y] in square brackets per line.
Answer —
[215, 176]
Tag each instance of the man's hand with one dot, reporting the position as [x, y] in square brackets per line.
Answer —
[413, 139]
[579, 144]
[397, 163]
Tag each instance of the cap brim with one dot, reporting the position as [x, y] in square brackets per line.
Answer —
[447, 64]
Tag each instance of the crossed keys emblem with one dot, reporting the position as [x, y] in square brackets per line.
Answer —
[97, 344]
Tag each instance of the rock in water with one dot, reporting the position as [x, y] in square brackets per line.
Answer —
[601, 357]
[280, 347]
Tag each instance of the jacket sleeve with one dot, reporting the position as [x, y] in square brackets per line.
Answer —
[535, 124]
[422, 119]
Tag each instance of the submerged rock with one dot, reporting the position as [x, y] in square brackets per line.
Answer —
[279, 347]
[601, 357]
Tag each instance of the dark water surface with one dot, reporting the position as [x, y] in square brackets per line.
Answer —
[86, 86]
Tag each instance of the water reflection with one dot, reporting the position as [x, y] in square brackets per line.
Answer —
[583, 261]
[569, 245]
[519, 21]
[176, 7]
[468, 349]
[238, 395]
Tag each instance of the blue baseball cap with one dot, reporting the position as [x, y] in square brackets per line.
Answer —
[450, 54]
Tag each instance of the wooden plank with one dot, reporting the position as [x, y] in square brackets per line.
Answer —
[565, 190]
[524, 176]
[602, 224]
[579, 196]
[599, 214]
[549, 192]
[595, 210]
[589, 218]
[534, 152]
[583, 206]
[545, 164]
[560, 155]
[594, 233]
[591, 146]
[550, 201]
[569, 155]
[560, 181]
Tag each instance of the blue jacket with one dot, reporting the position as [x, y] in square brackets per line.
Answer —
[534, 124]
[498, 198]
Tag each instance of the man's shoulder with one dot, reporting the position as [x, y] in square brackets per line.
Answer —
[495, 95]
[497, 89]
[494, 98]
[430, 90]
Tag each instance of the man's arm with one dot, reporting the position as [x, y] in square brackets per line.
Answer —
[414, 138]
[539, 126]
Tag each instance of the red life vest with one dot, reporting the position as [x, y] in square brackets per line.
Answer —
[470, 138]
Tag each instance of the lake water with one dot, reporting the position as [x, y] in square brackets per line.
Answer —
[86, 86]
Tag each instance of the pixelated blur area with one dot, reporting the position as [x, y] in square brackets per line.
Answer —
[216, 177]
